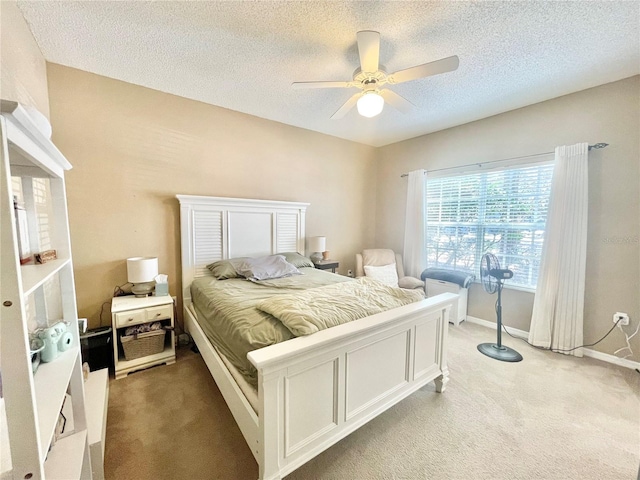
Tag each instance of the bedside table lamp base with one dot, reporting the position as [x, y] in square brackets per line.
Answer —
[142, 289]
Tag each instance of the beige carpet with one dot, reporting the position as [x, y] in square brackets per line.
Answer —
[548, 417]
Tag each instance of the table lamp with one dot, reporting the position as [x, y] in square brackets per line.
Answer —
[141, 272]
[317, 245]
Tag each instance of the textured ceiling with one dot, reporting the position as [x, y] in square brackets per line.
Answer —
[245, 55]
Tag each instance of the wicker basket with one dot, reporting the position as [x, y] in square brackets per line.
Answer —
[142, 344]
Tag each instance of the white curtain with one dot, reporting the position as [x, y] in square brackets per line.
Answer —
[415, 258]
[558, 307]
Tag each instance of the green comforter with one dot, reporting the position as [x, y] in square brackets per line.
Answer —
[228, 315]
[304, 313]
[239, 316]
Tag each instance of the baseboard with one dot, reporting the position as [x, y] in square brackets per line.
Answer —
[605, 357]
[486, 323]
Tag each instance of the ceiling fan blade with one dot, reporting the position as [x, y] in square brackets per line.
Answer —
[369, 50]
[396, 101]
[426, 70]
[348, 105]
[300, 85]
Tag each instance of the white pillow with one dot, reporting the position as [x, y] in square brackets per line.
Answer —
[387, 274]
[266, 268]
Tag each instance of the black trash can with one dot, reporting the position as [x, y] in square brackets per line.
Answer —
[97, 348]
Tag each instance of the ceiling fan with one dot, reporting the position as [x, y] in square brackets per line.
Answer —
[371, 76]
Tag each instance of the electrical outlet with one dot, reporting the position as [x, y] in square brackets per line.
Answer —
[622, 317]
[349, 273]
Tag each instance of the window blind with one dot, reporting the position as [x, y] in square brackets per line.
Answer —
[499, 211]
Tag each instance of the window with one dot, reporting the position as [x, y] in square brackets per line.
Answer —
[500, 211]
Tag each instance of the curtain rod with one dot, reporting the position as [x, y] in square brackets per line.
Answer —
[597, 146]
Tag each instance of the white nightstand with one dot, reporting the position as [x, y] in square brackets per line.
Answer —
[128, 311]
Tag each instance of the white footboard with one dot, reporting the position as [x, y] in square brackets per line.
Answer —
[315, 390]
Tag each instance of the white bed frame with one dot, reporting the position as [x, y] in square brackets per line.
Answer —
[313, 390]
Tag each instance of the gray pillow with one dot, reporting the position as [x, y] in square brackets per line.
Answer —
[410, 283]
[266, 268]
[223, 269]
[297, 260]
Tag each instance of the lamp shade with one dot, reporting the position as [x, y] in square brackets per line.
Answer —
[142, 269]
[317, 244]
[370, 104]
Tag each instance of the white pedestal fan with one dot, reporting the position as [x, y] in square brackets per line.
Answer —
[493, 277]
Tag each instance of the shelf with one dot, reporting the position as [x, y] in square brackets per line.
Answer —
[96, 395]
[25, 135]
[5, 448]
[66, 457]
[50, 385]
[34, 276]
[123, 364]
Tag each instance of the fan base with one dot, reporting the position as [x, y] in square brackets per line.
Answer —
[502, 353]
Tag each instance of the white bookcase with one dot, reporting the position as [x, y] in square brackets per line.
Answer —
[36, 296]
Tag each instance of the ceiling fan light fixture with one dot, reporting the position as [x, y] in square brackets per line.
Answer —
[370, 104]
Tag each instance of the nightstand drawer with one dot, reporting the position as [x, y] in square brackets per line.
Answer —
[159, 313]
[124, 319]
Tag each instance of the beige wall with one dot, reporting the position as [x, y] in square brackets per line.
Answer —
[23, 72]
[609, 113]
[133, 149]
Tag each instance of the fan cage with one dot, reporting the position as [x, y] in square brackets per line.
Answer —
[489, 262]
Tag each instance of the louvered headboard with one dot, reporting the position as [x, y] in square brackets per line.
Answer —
[214, 228]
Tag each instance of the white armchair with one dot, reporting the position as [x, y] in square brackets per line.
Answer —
[385, 265]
